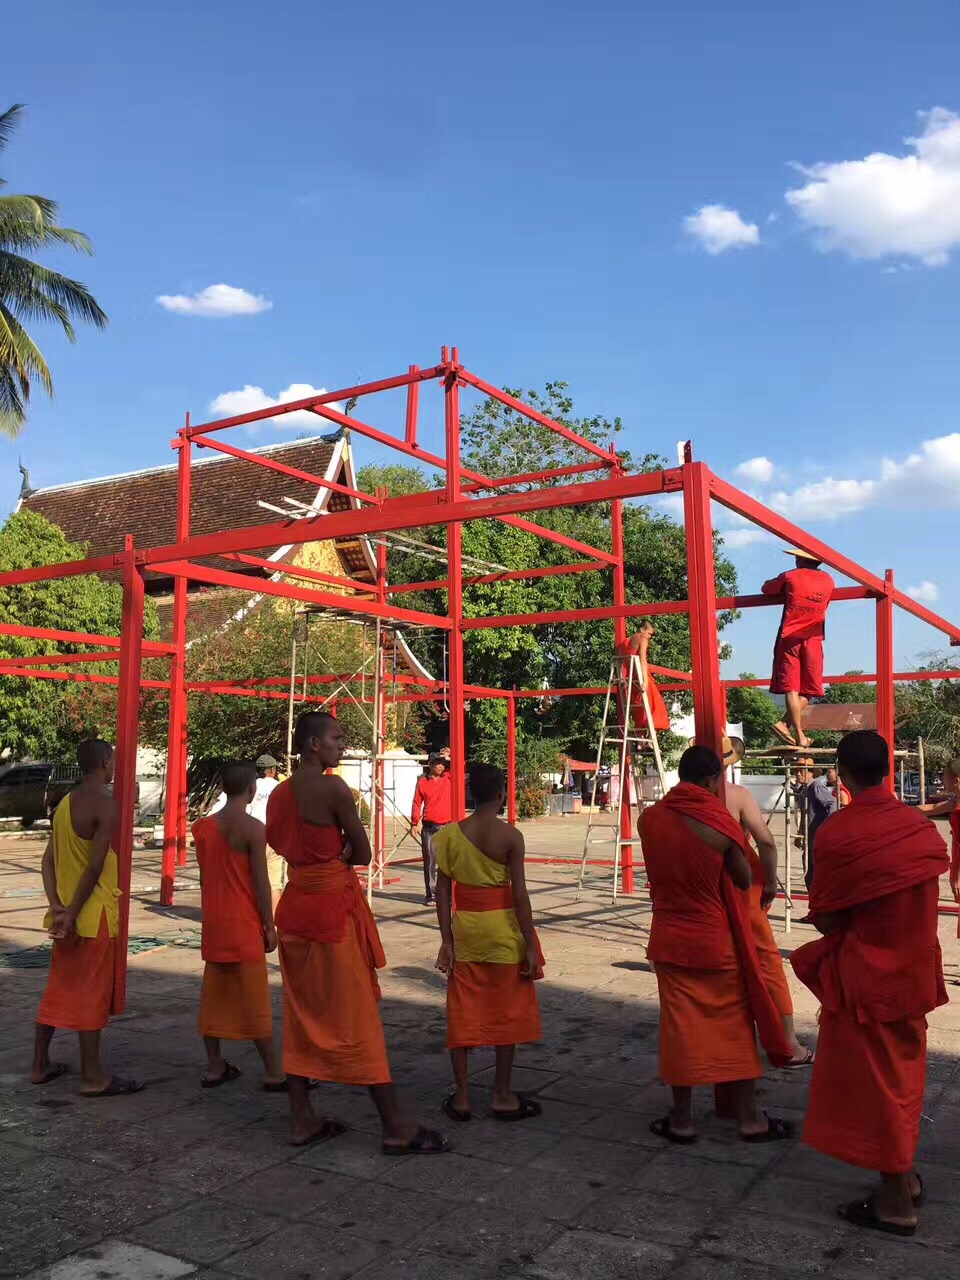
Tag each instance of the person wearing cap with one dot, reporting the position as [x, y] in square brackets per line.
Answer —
[798, 653]
[268, 778]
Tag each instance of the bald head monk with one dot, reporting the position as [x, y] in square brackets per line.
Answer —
[761, 853]
[877, 973]
[329, 946]
[79, 871]
[713, 1000]
[238, 931]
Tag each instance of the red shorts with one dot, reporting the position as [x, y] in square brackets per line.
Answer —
[798, 668]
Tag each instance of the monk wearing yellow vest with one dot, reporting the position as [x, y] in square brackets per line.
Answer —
[80, 881]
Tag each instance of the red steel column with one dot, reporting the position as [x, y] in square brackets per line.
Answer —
[125, 776]
[175, 804]
[623, 714]
[702, 593]
[885, 702]
[455, 592]
[380, 712]
[511, 759]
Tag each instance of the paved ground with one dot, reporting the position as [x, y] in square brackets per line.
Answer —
[179, 1182]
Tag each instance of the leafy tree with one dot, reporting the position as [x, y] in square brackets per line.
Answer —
[930, 709]
[755, 710]
[29, 291]
[498, 442]
[843, 693]
[46, 718]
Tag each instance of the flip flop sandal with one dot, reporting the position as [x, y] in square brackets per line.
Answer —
[117, 1088]
[230, 1073]
[329, 1129]
[861, 1213]
[425, 1142]
[454, 1113]
[806, 1061]
[527, 1110]
[777, 1130]
[663, 1129]
[53, 1072]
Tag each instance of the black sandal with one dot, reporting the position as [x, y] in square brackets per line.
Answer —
[454, 1113]
[777, 1130]
[664, 1129]
[862, 1213]
[117, 1087]
[230, 1072]
[527, 1110]
[425, 1142]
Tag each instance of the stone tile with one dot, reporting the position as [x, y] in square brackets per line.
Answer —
[804, 1198]
[419, 1265]
[117, 1260]
[33, 1238]
[812, 1248]
[611, 1163]
[380, 1213]
[556, 1197]
[497, 1237]
[206, 1231]
[526, 1079]
[451, 1176]
[356, 1154]
[577, 1254]
[302, 1252]
[587, 1092]
[648, 1215]
[566, 1117]
[699, 1267]
[509, 1144]
[212, 1165]
[869, 1256]
[292, 1190]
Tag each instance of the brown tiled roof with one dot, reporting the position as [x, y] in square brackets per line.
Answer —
[840, 717]
[224, 495]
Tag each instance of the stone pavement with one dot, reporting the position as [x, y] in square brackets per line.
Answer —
[179, 1182]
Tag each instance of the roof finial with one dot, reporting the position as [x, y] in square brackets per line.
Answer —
[25, 487]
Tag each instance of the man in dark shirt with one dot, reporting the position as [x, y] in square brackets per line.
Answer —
[798, 652]
[432, 799]
[821, 801]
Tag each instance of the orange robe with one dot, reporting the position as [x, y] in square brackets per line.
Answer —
[955, 851]
[490, 1001]
[329, 954]
[712, 994]
[877, 977]
[768, 953]
[235, 994]
[658, 708]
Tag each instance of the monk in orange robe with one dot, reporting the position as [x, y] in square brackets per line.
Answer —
[712, 993]
[638, 645]
[329, 946]
[877, 973]
[761, 853]
[238, 932]
[489, 946]
[80, 880]
[948, 806]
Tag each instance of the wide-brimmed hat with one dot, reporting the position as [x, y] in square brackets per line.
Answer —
[797, 554]
[733, 749]
[267, 762]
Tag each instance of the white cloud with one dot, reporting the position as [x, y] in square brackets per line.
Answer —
[718, 228]
[886, 205]
[736, 538]
[231, 404]
[928, 479]
[217, 301]
[926, 592]
[756, 470]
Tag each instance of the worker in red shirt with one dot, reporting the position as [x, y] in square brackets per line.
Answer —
[798, 652]
[432, 800]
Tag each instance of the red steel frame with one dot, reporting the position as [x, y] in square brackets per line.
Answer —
[459, 500]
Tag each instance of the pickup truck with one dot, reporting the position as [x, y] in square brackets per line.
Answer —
[33, 791]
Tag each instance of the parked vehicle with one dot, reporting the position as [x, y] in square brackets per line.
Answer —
[33, 791]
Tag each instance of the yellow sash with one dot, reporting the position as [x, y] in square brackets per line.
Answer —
[71, 857]
[479, 937]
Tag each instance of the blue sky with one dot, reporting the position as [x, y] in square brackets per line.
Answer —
[594, 193]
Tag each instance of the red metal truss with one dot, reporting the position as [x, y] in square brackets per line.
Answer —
[465, 495]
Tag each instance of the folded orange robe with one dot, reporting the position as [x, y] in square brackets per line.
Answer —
[329, 953]
[877, 977]
[79, 989]
[768, 953]
[711, 988]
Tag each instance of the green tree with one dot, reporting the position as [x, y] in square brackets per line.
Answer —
[859, 692]
[755, 710]
[498, 442]
[45, 718]
[30, 291]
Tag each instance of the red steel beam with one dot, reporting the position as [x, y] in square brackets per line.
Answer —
[323, 398]
[284, 469]
[885, 699]
[735, 500]
[552, 473]
[286, 591]
[900, 677]
[508, 575]
[701, 583]
[174, 851]
[494, 393]
[396, 514]
[455, 666]
[308, 575]
[67, 569]
[51, 659]
[151, 648]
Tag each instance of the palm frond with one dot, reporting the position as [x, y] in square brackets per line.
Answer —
[9, 121]
[14, 394]
[33, 290]
[20, 354]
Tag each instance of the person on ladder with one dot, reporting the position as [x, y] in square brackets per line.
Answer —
[637, 646]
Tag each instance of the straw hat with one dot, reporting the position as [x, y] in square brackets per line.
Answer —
[733, 750]
[797, 554]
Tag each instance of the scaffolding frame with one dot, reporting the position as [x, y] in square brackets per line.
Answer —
[465, 495]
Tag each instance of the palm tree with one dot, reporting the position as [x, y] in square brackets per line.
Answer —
[29, 291]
